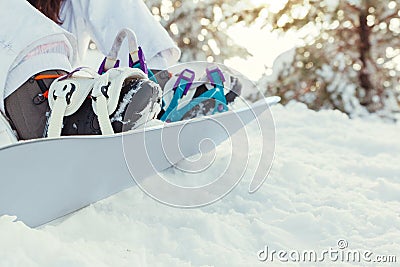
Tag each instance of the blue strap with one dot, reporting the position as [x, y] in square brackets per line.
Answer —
[217, 79]
[140, 63]
[181, 87]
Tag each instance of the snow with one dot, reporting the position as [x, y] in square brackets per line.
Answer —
[125, 102]
[333, 178]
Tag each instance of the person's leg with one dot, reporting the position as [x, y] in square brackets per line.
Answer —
[30, 45]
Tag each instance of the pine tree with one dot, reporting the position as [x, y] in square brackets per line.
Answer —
[199, 27]
[349, 60]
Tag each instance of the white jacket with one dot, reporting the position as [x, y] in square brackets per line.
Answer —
[101, 20]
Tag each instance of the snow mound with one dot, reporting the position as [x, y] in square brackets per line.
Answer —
[333, 178]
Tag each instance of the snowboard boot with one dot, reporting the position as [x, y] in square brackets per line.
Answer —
[139, 102]
[120, 99]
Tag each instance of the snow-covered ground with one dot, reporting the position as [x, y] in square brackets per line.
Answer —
[333, 178]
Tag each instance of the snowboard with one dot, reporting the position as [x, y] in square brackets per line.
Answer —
[45, 179]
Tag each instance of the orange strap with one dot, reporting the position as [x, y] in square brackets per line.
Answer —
[47, 76]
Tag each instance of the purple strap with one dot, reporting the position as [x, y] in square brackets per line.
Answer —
[69, 75]
[141, 61]
[102, 68]
[188, 76]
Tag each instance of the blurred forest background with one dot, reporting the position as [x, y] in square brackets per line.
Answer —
[348, 57]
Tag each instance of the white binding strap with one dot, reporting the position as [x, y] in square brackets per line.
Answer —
[112, 56]
[100, 97]
[66, 96]
[56, 119]
[106, 93]
[119, 39]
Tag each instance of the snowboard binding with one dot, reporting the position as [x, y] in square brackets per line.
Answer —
[189, 98]
[121, 99]
[112, 100]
